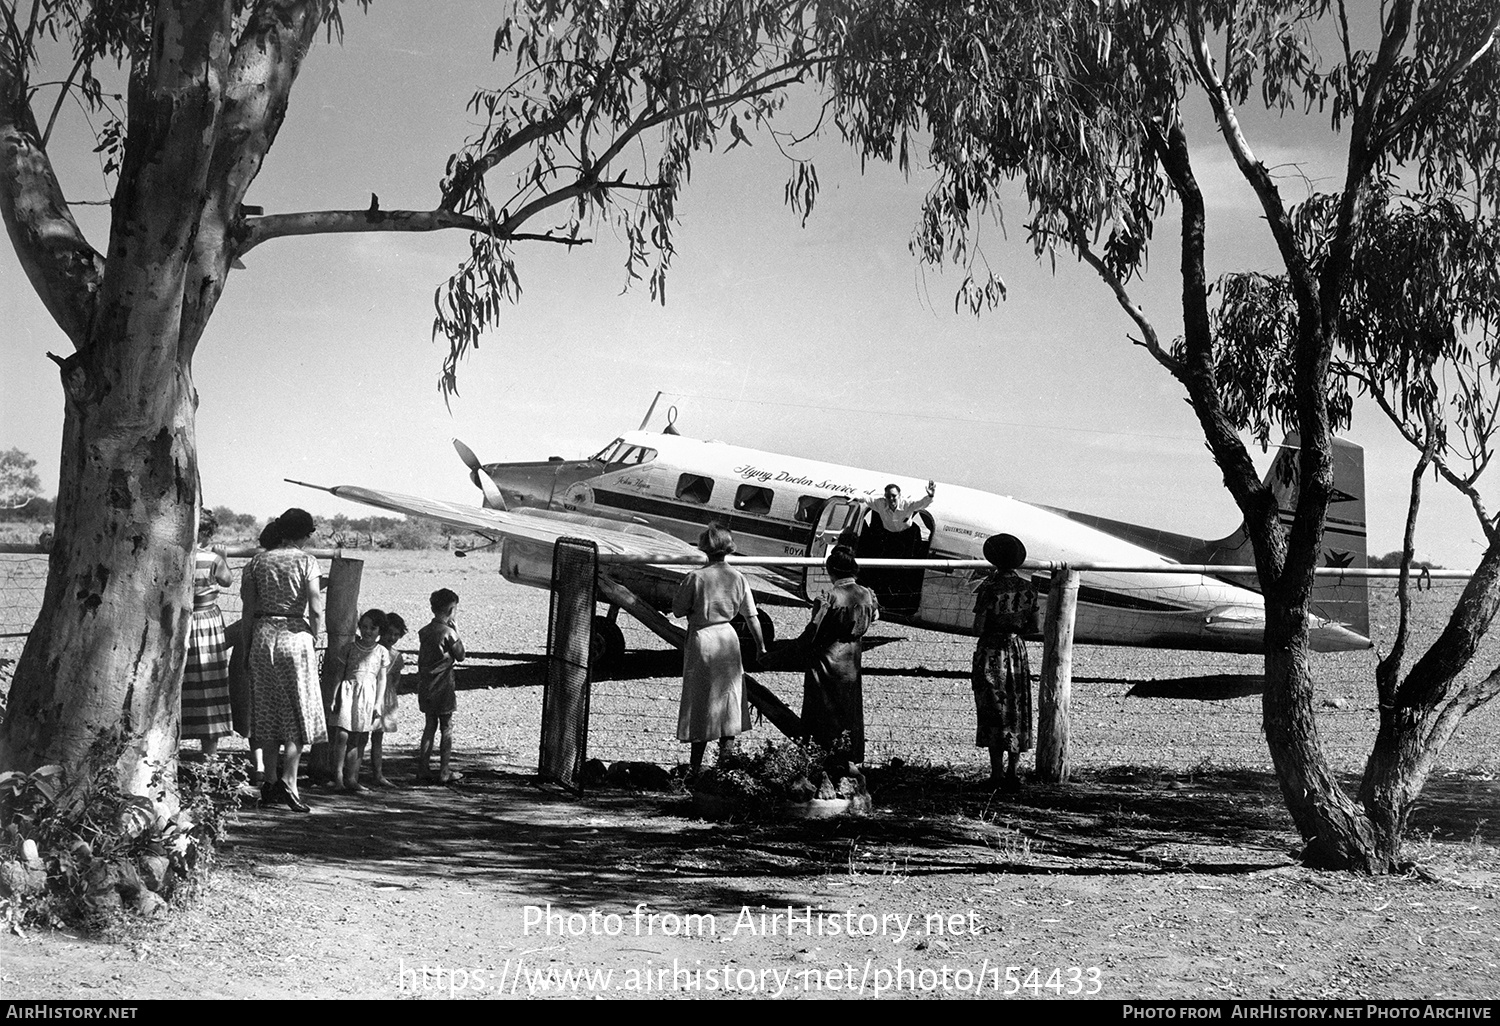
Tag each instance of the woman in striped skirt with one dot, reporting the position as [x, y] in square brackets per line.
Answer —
[205, 681]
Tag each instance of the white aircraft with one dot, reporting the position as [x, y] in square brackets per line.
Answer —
[650, 494]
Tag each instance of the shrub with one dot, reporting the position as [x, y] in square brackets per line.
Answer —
[783, 771]
[83, 853]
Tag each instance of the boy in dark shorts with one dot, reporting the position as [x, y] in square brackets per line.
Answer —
[440, 649]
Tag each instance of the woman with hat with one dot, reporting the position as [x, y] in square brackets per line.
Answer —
[1005, 610]
[713, 706]
[284, 606]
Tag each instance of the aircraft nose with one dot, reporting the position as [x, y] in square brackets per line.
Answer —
[534, 484]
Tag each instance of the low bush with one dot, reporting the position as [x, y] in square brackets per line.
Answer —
[782, 771]
[82, 853]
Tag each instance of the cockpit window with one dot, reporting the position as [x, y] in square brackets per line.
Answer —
[617, 453]
[611, 452]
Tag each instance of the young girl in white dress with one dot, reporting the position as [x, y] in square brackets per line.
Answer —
[395, 630]
[356, 706]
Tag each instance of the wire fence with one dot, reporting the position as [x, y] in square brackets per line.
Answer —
[1157, 709]
[1139, 707]
[23, 580]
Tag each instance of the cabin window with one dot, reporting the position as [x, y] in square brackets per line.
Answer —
[810, 508]
[638, 455]
[693, 488]
[753, 499]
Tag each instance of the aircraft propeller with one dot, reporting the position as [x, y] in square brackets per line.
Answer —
[492, 497]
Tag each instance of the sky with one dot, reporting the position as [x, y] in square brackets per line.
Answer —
[827, 340]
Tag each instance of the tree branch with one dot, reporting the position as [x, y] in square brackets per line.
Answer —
[333, 222]
[1252, 169]
[1149, 340]
[1434, 93]
[267, 57]
[1464, 485]
[465, 178]
[62, 267]
[62, 95]
[1196, 371]
[1388, 669]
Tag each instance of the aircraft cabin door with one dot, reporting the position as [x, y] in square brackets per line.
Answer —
[839, 517]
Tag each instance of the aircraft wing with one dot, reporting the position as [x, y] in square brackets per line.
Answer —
[531, 525]
[542, 528]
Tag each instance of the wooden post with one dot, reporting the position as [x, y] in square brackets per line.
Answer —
[1055, 698]
[341, 621]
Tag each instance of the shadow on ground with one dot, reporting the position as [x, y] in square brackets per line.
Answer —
[1214, 687]
[498, 825]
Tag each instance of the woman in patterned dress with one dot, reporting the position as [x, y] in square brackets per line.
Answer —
[713, 706]
[205, 680]
[1005, 609]
[285, 608]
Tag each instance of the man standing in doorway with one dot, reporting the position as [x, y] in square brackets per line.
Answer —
[892, 533]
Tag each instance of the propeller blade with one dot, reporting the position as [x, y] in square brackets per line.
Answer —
[492, 497]
[467, 455]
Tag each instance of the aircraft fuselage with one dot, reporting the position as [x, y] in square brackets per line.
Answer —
[780, 505]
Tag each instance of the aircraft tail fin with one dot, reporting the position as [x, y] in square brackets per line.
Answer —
[1343, 600]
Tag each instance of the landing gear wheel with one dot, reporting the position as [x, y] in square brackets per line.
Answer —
[607, 647]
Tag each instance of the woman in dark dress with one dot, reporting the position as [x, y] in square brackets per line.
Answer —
[832, 691]
[1005, 610]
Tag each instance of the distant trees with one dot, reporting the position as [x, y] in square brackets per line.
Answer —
[19, 483]
[1395, 560]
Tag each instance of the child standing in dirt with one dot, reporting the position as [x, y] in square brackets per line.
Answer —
[356, 703]
[440, 649]
[385, 716]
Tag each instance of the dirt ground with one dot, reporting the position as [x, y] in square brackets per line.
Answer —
[1114, 886]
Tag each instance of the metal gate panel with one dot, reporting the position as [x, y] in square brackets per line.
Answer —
[570, 635]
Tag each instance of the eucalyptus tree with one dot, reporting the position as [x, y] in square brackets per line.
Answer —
[596, 116]
[1381, 284]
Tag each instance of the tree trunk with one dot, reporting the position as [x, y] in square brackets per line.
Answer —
[1394, 776]
[1336, 832]
[107, 652]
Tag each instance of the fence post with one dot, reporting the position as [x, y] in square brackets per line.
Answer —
[1054, 700]
[341, 619]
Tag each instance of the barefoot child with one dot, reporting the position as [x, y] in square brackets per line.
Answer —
[395, 630]
[356, 703]
[439, 650]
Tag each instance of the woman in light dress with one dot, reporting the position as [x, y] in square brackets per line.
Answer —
[284, 606]
[713, 704]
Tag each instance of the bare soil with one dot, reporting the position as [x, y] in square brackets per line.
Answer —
[1166, 869]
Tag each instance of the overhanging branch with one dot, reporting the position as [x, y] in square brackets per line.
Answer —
[343, 222]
